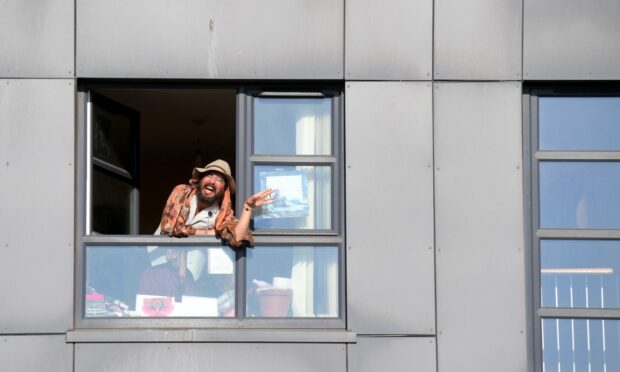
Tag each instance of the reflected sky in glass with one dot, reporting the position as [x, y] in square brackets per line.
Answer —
[292, 126]
[580, 195]
[581, 345]
[140, 281]
[579, 123]
[580, 273]
[294, 281]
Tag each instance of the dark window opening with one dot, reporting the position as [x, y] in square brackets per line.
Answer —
[145, 142]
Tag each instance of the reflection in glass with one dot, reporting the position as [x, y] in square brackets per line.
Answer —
[302, 200]
[292, 126]
[112, 138]
[111, 204]
[159, 281]
[579, 123]
[582, 195]
[581, 345]
[292, 282]
[580, 273]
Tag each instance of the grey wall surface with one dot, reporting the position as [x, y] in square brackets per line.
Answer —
[389, 180]
[394, 354]
[478, 39]
[48, 353]
[571, 39]
[36, 38]
[427, 166]
[243, 39]
[481, 310]
[36, 195]
[210, 357]
[389, 40]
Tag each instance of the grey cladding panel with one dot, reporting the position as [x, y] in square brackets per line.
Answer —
[36, 218]
[571, 39]
[479, 227]
[394, 354]
[201, 357]
[389, 40]
[36, 38]
[478, 39]
[49, 353]
[389, 188]
[243, 39]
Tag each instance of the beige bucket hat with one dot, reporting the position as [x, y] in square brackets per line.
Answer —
[220, 166]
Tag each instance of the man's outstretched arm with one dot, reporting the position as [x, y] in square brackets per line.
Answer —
[242, 229]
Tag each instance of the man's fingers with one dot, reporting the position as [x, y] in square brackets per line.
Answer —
[266, 201]
[266, 192]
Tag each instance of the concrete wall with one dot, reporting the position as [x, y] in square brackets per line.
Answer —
[436, 282]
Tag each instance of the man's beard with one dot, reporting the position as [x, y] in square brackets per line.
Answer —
[209, 200]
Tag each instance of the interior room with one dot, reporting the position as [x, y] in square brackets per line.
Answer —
[178, 130]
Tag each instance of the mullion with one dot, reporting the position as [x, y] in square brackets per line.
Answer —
[604, 234]
[578, 313]
[577, 155]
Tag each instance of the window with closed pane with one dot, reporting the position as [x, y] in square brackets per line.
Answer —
[574, 142]
[294, 150]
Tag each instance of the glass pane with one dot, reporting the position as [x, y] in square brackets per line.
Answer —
[292, 126]
[112, 138]
[579, 123]
[133, 281]
[580, 273]
[111, 204]
[292, 282]
[580, 195]
[581, 345]
[302, 200]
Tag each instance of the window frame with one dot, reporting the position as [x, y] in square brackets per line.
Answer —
[335, 160]
[532, 157]
[333, 237]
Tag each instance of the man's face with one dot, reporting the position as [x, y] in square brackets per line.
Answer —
[211, 187]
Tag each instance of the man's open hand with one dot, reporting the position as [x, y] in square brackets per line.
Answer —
[260, 198]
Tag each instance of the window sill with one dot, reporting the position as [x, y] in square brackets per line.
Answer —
[211, 335]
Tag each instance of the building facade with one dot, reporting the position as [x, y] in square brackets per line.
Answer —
[425, 150]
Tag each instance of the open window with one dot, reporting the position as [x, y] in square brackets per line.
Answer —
[138, 142]
[163, 133]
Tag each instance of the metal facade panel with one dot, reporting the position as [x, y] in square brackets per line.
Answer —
[394, 354]
[190, 357]
[36, 195]
[389, 191]
[48, 353]
[36, 38]
[478, 39]
[242, 39]
[571, 39]
[389, 40]
[479, 227]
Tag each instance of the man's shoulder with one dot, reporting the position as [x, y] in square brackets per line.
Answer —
[181, 189]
